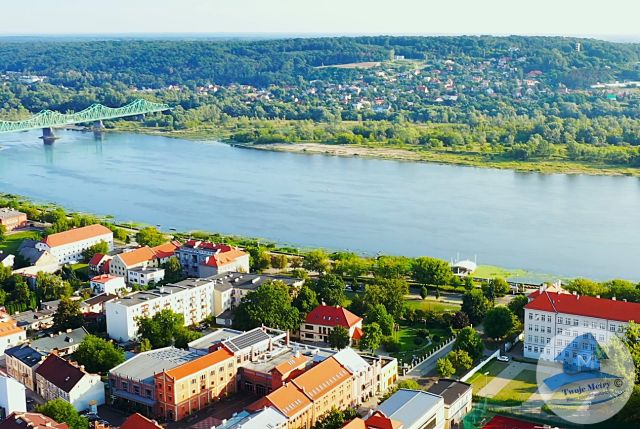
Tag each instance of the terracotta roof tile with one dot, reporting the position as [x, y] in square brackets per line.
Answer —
[290, 365]
[138, 421]
[76, 234]
[225, 257]
[137, 256]
[199, 364]
[31, 421]
[288, 399]
[322, 378]
[584, 306]
[327, 315]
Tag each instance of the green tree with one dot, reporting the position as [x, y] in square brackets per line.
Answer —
[475, 305]
[63, 412]
[330, 289]
[150, 236]
[516, 305]
[260, 258]
[460, 360]
[339, 337]
[3, 233]
[68, 314]
[145, 345]
[469, 340]
[317, 260]
[161, 328]
[336, 419]
[500, 286]
[431, 271]
[585, 287]
[270, 305]
[378, 314]
[279, 261]
[101, 247]
[50, 287]
[445, 367]
[460, 320]
[305, 301]
[388, 292]
[424, 292]
[498, 322]
[173, 270]
[98, 355]
[392, 267]
[372, 337]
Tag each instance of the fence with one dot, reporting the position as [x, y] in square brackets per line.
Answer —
[480, 365]
[415, 362]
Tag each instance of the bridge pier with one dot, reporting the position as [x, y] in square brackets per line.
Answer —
[48, 137]
[98, 125]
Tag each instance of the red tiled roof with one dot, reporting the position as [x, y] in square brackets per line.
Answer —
[138, 421]
[166, 250]
[137, 256]
[76, 234]
[327, 315]
[103, 278]
[584, 306]
[224, 257]
[31, 421]
[60, 372]
[358, 333]
[380, 421]
[322, 378]
[96, 259]
[501, 422]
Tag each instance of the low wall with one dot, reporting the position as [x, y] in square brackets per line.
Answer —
[480, 365]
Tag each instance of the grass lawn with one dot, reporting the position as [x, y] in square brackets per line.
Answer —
[13, 241]
[519, 389]
[478, 380]
[431, 305]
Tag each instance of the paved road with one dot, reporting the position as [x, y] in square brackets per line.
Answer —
[429, 365]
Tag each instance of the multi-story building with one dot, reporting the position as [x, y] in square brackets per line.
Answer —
[291, 402]
[132, 383]
[364, 382]
[58, 378]
[205, 259]
[142, 257]
[322, 319]
[190, 387]
[267, 418]
[12, 219]
[145, 276]
[561, 324]
[67, 246]
[10, 333]
[457, 397]
[12, 396]
[107, 283]
[415, 409]
[21, 362]
[193, 298]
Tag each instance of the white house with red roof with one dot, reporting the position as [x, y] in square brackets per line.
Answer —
[322, 319]
[107, 283]
[206, 259]
[99, 264]
[555, 321]
[68, 246]
[142, 257]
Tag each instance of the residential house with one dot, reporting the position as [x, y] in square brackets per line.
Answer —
[192, 386]
[67, 246]
[12, 396]
[21, 362]
[145, 276]
[34, 320]
[96, 304]
[142, 257]
[193, 298]
[558, 324]
[10, 333]
[108, 284]
[322, 319]
[138, 421]
[62, 343]
[205, 259]
[132, 383]
[40, 260]
[457, 397]
[364, 383]
[31, 421]
[415, 409]
[58, 378]
[99, 264]
[12, 219]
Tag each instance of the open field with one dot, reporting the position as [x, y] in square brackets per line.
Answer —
[479, 380]
[431, 304]
[519, 389]
[12, 242]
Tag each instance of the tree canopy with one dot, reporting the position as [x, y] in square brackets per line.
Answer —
[98, 355]
[269, 305]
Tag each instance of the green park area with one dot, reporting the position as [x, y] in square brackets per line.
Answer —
[12, 242]
[516, 391]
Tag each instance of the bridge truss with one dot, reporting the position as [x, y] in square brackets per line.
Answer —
[96, 112]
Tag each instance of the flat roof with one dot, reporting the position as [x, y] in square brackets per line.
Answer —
[150, 295]
[450, 390]
[215, 337]
[145, 365]
[278, 357]
[409, 406]
[225, 281]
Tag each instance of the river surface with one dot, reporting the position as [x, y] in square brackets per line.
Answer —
[569, 225]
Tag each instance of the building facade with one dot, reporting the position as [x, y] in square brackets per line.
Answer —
[67, 246]
[145, 276]
[107, 283]
[22, 361]
[12, 219]
[205, 259]
[10, 333]
[321, 320]
[12, 396]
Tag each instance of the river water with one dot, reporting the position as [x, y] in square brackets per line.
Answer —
[569, 225]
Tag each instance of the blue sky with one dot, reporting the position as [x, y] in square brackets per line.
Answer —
[561, 17]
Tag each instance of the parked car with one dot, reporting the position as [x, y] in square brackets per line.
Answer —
[504, 358]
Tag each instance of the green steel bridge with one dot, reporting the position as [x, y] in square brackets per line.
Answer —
[47, 120]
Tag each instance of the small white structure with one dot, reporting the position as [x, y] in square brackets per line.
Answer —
[107, 284]
[415, 409]
[464, 268]
[10, 333]
[67, 246]
[145, 275]
[12, 396]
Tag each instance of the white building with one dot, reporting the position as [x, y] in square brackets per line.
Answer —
[193, 298]
[10, 333]
[457, 400]
[57, 378]
[415, 409]
[67, 246]
[563, 323]
[12, 396]
[364, 384]
[108, 284]
[205, 259]
[145, 275]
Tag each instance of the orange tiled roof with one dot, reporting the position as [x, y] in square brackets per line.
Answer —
[199, 364]
[224, 258]
[291, 364]
[356, 423]
[166, 250]
[138, 421]
[328, 315]
[8, 326]
[288, 399]
[31, 421]
[322, 378]
[137, 256]
[76, 234]
[103, 278]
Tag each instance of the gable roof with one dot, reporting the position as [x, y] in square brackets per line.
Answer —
[60, 372]
[97, 259]
[138, 421]
[450, 390]
[76, 234]
[351, 360]
[294, 363]
[137, 256]
[199, 364]
[327, 315]
[31, 421]
[288, 399]
[224, 257]
[61, 341]
[588, 306]
[379, 421]
[8, 326]
[166, 250]
[322, 378]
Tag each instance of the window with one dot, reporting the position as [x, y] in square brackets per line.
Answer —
[560, 320]
[530, 316]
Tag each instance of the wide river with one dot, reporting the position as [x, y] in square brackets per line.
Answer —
[569, 225]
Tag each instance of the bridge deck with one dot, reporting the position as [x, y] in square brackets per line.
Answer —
[96, 112]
